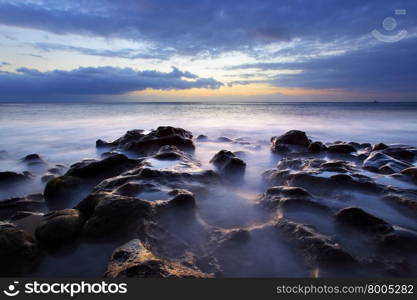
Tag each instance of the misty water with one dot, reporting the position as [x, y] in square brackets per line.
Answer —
[66, 133]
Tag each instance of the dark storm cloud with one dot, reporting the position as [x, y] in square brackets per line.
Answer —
[383, 67]
[96, 81]
[211, 26]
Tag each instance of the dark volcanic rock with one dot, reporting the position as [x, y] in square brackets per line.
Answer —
[134, 260]
[30, 203]
[407, 200]
[148, 144]
[108, 213]
[224, 139]
[130, 136]
[294, 164]
[170, 152]
[59, 226]
[18, 250]
[182, 198]
[130, 189]
[202, 137]
[288, 191]
[382, 163]
[62, 190]
[293, 199]
[57, 170]
[13, 177]
[81, 177]
[47, 177]
[339, 166]
[362, 221]
[318, 250]
[281, 149]
[316, 147]
[412, 172]
[404, 154]
[33, 159]
[380, 146]
[228, 163]
[401, 239]
[327, 185]
[292, 137]
[341, 148]
[99, 170]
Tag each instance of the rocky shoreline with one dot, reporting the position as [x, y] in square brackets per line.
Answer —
[306, 201]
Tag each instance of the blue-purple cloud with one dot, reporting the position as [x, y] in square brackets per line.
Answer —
[192, 27]
[128, 53]
[95, 81]
[388, 67]
[207, 28]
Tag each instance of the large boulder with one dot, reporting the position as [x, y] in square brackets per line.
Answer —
[149, 143]
[406, 154]
[323, 185]
[316, 147]
[412, 172]
[318, 250]
[101, 169]
[288, 191]
[60, 192]
[359, 220]
[134, 260]
[293, 201]
[8, 177]
[33, 159]
[30, 203]
[228, 164]
[18, 250]
[182, 199]
[341, 148]
[108, 213]
[202, 138]
[380, 146]
[401, 239]
[382, 163]
[169, 152]
[292, 137]
[59, 227]
[278, 194]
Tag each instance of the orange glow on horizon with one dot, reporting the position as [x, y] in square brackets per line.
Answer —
[236, 90]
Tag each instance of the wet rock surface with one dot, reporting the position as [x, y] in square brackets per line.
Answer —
[293, 137]
[30, 203]
[341, 148]
[362, 221]
[63, 190]
[153, 208]
[58, 227]
[381, 163]
[134, 260]
[19, 252]
[229, 164]
[13, 177]
[148, 143]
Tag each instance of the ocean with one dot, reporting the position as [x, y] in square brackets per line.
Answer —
[66, 133]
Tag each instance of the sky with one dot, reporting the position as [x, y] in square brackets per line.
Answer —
[208, 50]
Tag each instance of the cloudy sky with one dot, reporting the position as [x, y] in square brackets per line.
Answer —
[208, 50]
